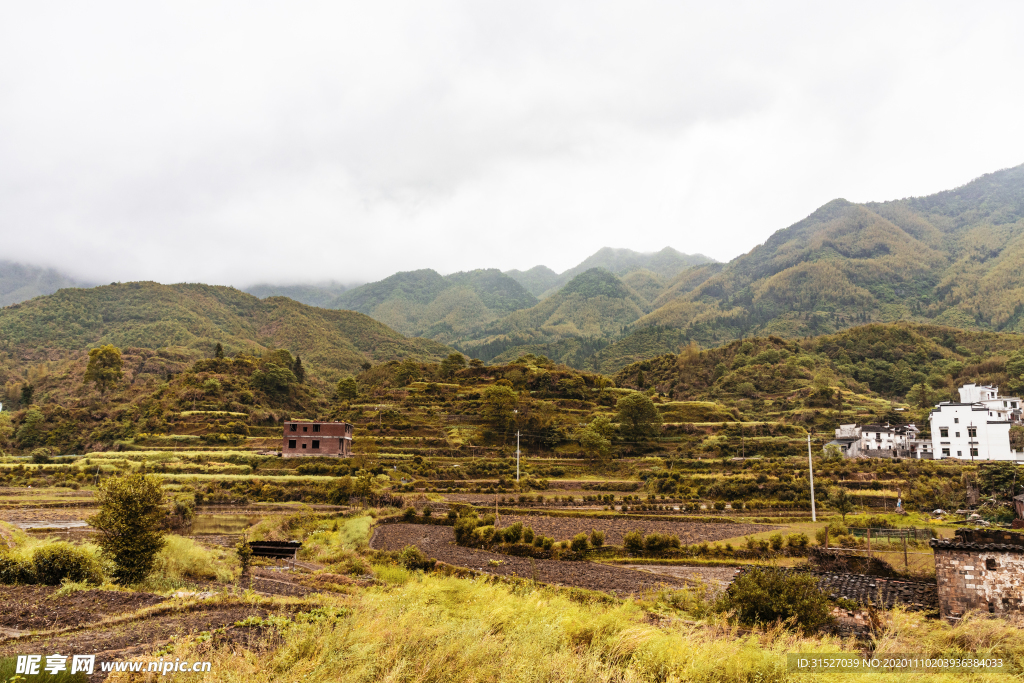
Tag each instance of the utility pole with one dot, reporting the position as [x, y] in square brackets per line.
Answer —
[810, 467]
[516, 413]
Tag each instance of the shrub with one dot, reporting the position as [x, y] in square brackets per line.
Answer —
[633, 542]
[413, 558]
[579, 543]
[596, 538]
[765, 595]
[835, 528]
[452, 516]
[129, 522]
[659, 543]
[427, 511]
[409, 514]
[719, 505]
[15, 569]
[528, 535]
[514, 533]
[464, 529]
[797, 541]
[775, 541]
[55, 562]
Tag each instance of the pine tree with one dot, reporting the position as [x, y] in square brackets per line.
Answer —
[219, 351]
[298, 370]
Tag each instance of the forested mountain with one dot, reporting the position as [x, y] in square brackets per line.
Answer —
[322, 295]
[594, 307]
[954, 258]
[442, 307]
[20, 282]
[665, 264]
[192, 319]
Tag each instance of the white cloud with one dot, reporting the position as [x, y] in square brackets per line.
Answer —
[236, 142]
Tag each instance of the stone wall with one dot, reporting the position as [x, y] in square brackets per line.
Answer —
[987, 580]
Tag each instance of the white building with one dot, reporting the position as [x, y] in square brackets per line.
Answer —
[898, 441]
[977, 428]
[1007, 408]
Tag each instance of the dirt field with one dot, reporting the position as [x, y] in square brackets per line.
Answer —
[561, 528]
[717, 578]
[31, 608]
[439, 542]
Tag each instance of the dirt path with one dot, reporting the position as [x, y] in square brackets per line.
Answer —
[439, 542]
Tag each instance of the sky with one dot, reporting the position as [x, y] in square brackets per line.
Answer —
[243, 142]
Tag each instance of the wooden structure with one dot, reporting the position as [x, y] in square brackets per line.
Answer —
[285, 550]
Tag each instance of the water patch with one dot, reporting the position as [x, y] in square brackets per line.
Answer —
[51, 524]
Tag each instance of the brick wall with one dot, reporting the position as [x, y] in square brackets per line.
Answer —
[984, 580]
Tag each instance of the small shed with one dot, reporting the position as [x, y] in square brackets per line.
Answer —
[980, 569]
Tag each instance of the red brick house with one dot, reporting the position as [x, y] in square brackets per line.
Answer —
[303, 438]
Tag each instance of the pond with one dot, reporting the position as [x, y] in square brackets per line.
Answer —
[223, 524]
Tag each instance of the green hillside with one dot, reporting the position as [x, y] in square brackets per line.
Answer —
[20, 282]
[595, 306]
[954, 258]
[645, 283]
[194, 318]
[664, 264]
[444, 308]
[921, 364]
[321, 295]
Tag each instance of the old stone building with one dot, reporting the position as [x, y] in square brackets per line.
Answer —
[980, 570]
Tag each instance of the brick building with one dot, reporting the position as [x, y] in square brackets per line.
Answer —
[316, 438]
[980, 570]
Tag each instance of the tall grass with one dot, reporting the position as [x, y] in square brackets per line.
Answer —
[183, 559]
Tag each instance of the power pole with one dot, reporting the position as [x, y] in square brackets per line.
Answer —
[517, 455]
[810, 467]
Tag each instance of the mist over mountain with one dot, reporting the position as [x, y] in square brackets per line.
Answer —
[312, 295]
[20, 282]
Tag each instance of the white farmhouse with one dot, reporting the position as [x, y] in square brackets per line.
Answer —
[882, 440]
[976, 428]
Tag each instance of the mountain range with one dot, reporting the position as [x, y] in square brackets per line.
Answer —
[955, 258]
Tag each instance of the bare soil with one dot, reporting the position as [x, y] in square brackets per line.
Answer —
[438, 542]
[561, 528]
[33, 608]
[716, 578]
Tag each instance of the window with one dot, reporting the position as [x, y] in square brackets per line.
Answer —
[958, 435]
[294, 427]
[959, 454]
[974, 452]
[316, 428]
[305, 429]
[956, 420]
[303, 445]
[316, 444]
[1013, 404]
[944, 432]
[291, 443]
[945, 452]
[972, 432]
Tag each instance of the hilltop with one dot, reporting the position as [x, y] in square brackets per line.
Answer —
[320, 295]
[441, 307]
[192, 319]
[665, 264]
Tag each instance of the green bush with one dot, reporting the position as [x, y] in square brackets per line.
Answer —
[835, 529]
[14, 569]
[514, 533]
[659, 543]
[579, 543]
[719, 505]
[797, 541]
[409, 514]
[413, 558]
[596, 538]
[765, 595]
[427, 511]
[55, 562]
[464, 529]
[776, 541]
[633, 542]
[129, 522]
[528, 535]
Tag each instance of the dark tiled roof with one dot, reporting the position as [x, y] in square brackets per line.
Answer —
[943, 544]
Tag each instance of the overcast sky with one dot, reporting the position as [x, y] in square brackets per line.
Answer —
[232, 143]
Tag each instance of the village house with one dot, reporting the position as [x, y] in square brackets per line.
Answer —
[887, 441]
[980, 570]
[303, 438]
[976, 428]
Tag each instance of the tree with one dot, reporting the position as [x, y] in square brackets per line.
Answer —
[104, 367]
[130, 525]
[499, 406]
[299, 371]
[347, 388]
[30, 433]
[452, 364]
[841, 500]
[592, 442]
[408, 372]
[218, 352]
[831, 453]
[272, 380]
[638, 416]
[27, 392]
[921, 396]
